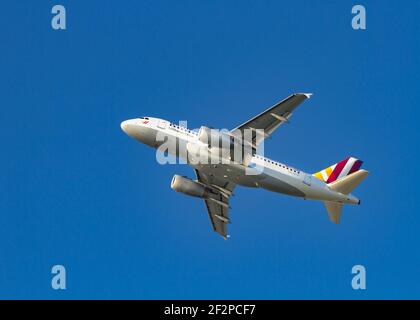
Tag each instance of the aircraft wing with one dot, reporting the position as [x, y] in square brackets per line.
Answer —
[218, 208]
[272, 118]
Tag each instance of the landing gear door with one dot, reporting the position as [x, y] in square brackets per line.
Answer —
[308, 179]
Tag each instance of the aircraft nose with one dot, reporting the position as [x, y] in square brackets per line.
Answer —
[124, 125]
[128, 126]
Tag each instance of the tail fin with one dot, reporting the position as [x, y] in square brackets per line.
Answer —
[342, 177]
[339, 170]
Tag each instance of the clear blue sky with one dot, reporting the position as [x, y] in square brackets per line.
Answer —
[75, 190]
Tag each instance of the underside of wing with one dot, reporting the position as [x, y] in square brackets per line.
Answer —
[270, 119]
[218, 204]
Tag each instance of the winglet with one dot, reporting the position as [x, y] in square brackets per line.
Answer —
[308, 95]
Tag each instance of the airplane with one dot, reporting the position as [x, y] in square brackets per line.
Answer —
[215, 181]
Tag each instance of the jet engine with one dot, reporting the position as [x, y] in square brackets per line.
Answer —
[226, 145]
[189, 187]
[198, 190]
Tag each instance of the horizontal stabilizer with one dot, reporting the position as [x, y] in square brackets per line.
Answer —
[334, 210]
[348, 183]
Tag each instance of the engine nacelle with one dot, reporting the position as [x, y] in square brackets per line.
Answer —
[226, 145]
[189, 187]
[214, 138]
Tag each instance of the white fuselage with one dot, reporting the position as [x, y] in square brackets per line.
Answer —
[260, 172]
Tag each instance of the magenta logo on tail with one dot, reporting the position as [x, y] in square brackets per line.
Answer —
[339, 170]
